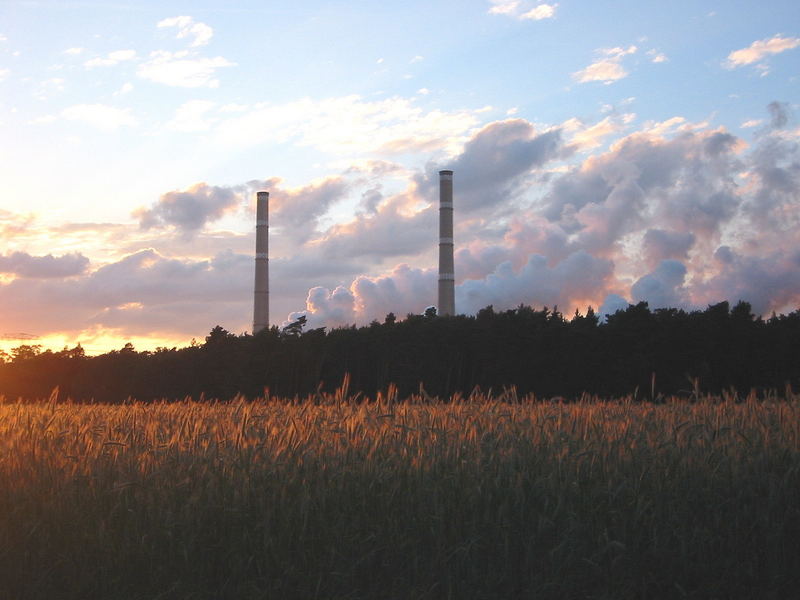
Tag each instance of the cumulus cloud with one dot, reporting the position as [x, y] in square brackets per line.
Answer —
[779, 114]
[769, 282]
[184, 68]
[663, 287]
[192, 116]
[351, 125]
[759, 50]
[100, 116]
[386, 232]
[657, 201]
[687, 181]
[190, 210]
[143, 293]
[296, 211]
[656, 56]
[188, 27]
[503, 7]
[774, 169]
[607, 68]
[611, 304]
[14, 224]
[22, 264]
[676, 213]
[181, 69]
[589, 137]
[126, 88]
[111, 59]
[492, 163]
[4, 73]
[404, 290]
[539, 12]
[576, 279]
[334, 308]
[659, 245]
[522, 10]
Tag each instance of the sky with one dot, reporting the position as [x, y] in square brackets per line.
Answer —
[604, 153]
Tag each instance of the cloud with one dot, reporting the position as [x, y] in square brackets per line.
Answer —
[674, 213]
[522, 10]
[191, 116]
[779, 114]
[351, 125]
[111, 59]
[504, 7]
[577, 278]
[184, 68]
[760, 50]
[14, 225]
[56, 83]
[611, 304]
[188, 27]
[542, 11]
[294, 212]
[74, 51]
[774, 177]
[298, 210]
[770, 282]
[387, 231]
[144, 293]
[4, 73]
[101, 116]
[190, 210]
[23, 264]
[334, 308]
[588, 138]
[181, 69]
[43, 120]
[493, 161]
[404, 290]
[659, 244]
[125, 89]
[656, 56]
[663, 288]
[607, 68]
[686, 181]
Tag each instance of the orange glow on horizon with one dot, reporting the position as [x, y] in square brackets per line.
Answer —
[95, 342]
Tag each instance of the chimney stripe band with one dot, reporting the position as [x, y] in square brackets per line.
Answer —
[447, 277]
[262, 223]
[446, 205]
[262, 255]
[445, 240]
[445, 175]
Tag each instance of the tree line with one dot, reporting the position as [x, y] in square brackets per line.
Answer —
[639, 351]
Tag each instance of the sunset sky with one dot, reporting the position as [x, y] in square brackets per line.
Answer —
[603, 153]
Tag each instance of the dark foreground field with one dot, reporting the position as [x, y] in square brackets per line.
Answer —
[334, 499]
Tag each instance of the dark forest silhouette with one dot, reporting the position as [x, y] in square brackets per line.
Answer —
[648, 353]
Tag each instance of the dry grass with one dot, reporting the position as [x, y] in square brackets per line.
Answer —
[329, 498]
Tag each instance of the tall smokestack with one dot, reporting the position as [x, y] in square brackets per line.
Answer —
[447, 292]
[261, 296]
